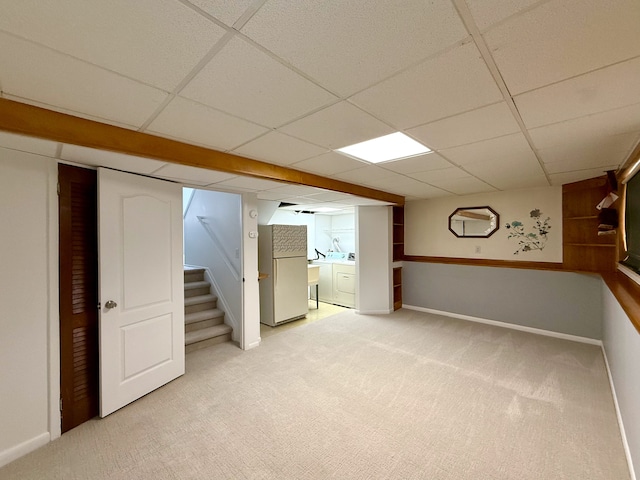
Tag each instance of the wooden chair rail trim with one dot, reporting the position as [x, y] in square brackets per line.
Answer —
[24, 119]
[481, 262]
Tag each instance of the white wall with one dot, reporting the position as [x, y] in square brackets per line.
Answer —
[251, 291]
[24, 301]
[427, 232]
[373, 263]
[343, 227]
[622, 346]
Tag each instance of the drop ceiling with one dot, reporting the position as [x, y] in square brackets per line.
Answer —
[508, 94]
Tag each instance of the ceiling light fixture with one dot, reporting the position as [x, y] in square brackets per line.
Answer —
[394, 146]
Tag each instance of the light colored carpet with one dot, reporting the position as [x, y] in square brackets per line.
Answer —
[402, 396]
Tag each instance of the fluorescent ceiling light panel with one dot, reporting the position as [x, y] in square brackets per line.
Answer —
[394, 146]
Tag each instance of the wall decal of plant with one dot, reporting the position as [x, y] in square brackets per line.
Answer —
[535, 240]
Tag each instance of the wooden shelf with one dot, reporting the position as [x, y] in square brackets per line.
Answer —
[397, 288]
[398, 253]
[583, 249]
[398, 233]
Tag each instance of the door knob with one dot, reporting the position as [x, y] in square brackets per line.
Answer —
[110, 304]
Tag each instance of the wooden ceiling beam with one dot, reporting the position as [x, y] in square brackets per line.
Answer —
[24, 119]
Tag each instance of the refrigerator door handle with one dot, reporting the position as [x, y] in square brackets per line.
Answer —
[275, 274]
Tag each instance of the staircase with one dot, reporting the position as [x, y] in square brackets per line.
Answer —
[203, 321]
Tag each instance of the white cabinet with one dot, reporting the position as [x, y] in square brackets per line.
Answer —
[337, 284]
[344, 285]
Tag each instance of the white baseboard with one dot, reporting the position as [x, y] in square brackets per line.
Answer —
[495, 323]
[625, 444]
[22, 449]
[254, 344]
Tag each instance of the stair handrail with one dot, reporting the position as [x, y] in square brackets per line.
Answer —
[204, 221]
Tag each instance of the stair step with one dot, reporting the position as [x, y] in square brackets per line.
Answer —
[195, 289]
[207, 337]
[202, 320]
[203, 315]
[193, 274]
[200, 303]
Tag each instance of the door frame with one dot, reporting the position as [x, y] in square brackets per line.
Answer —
[250, 322]
[55, 420]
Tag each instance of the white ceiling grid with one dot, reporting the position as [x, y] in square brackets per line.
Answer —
[508, 93]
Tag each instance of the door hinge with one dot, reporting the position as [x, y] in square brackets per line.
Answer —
[60, 403]
[58, 188]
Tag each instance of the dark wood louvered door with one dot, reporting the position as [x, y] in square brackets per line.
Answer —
[78, 295]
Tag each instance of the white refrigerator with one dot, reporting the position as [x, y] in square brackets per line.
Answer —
[282, 255]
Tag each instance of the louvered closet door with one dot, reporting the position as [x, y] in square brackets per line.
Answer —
[78, 295]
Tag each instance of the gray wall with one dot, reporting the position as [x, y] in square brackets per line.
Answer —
[561, 302]
[622, 344]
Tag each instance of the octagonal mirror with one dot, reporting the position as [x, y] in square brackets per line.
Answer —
[474, 222]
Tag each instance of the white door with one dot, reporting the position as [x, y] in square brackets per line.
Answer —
[141, 286]
[289, 288]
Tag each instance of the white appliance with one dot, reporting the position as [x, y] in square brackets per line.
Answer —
[337, 283]
[282, 255]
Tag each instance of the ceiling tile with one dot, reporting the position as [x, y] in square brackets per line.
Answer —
[337, 126]
[192, 122]
[506, 149]
[420, 163]
[365, 175]
[341, 44]
[154, 41]
[248, 83]
[275, 147]
[296, 190]
[517, 172]
[250, 183]
[194, 175]
[392, 180]
[564, 38]
[570, 177]
[418, 189]
[614, 150]
[40, 74]
[443, 174]
[327, 196]
[480, 124]
[103, 158]
[586, 160]
[596, 140]
[227, 11]
[353, 200]
[328, 164]
[589, 131]
[612, 87]
[489, 12]
[34, 145]
[272, 195]
[453, 82]
[464, 186]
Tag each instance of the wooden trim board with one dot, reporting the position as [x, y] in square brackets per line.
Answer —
[24, 119]
[482, 262]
